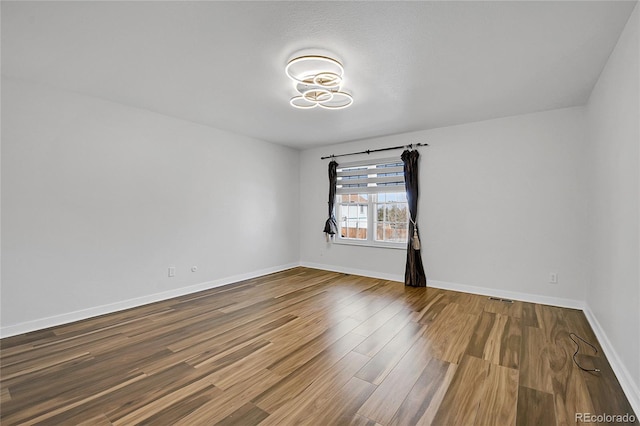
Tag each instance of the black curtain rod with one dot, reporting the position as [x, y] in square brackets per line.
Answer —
[369, 151]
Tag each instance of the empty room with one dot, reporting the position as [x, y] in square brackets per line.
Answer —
[320, 213]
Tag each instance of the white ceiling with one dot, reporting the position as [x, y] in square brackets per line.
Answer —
[409, 65]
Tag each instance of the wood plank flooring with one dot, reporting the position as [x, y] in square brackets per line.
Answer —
[305, 346]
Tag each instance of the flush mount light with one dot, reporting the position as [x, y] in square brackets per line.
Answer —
[318, 81]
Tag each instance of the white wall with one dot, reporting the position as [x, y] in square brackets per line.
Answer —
[99, 199]
[502, 204]
[613, 111]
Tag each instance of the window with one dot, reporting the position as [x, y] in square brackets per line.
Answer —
[371, 206]
[391, 217]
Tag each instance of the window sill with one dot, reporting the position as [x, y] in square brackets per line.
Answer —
[363, 243]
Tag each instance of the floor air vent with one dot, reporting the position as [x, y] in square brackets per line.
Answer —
[501, 300]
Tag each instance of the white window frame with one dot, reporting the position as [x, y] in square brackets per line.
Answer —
[371, 189]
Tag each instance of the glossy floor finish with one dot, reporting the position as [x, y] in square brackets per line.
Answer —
[305, 346]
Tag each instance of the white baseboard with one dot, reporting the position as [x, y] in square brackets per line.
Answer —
[82, 314]
[464, 288]
[353, 271]
[507, 294]
[629, 386]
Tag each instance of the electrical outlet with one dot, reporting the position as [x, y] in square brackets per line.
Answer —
[553, 277]
[172, 271]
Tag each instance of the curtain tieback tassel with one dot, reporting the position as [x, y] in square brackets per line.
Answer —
[416, 240]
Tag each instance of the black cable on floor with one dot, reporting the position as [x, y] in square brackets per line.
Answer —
[578, 349]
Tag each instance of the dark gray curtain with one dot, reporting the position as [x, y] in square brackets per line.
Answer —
[331, 226]
[414, 275]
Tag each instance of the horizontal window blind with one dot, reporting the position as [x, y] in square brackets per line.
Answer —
[371, 176]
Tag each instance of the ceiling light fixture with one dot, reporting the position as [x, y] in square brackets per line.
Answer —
[318, 81]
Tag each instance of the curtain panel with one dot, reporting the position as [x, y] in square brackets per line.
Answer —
[331, 226]
[414, 275]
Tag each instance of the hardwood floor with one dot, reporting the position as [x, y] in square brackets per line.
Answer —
[305, 346]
